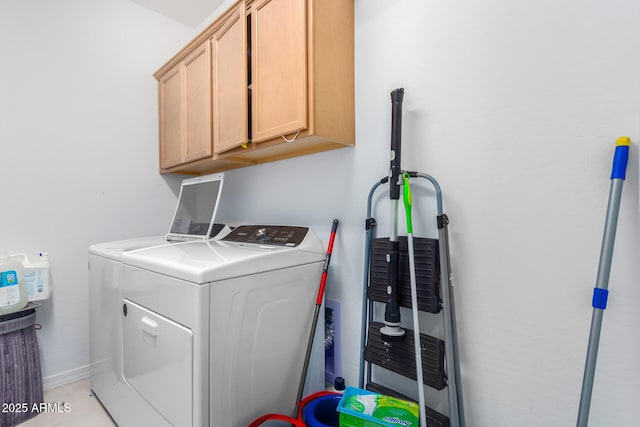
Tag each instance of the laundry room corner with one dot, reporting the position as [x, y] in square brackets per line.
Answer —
[511, 111]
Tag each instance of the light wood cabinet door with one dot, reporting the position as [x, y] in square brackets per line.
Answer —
[185, 110]
[171, 108]
[198, 104]
[279, 68]
[229, 75]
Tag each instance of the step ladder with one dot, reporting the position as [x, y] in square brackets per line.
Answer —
[440, 359]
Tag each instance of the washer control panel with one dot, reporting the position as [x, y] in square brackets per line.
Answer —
[278, 235]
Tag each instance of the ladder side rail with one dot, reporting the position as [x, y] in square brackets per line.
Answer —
[454, 389]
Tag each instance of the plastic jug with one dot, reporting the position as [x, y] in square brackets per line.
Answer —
[13, 289]
[37, 276]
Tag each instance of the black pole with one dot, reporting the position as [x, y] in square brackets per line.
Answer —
[392, 331]
[396, 143]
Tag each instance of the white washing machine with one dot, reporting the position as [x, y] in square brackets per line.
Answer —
[214, 332]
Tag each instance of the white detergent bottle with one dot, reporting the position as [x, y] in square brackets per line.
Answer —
[37, 277]
[13, 290]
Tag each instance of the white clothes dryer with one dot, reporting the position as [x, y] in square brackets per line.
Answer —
[214, 332]
[193, 220]
[105, 323]
[105, 320]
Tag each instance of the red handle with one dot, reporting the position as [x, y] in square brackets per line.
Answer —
[258, 421]
[323, 279]
[295, 422]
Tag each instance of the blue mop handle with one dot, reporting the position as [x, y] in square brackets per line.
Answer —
[620, 158]
[618, 172]
[600, 292]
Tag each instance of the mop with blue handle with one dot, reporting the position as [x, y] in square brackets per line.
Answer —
[601, 292]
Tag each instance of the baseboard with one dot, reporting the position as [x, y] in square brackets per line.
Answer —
[66, 377]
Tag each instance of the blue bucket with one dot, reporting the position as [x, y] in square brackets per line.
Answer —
[322, 411]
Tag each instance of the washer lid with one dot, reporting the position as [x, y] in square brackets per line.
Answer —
[210, 261]
[114, 250]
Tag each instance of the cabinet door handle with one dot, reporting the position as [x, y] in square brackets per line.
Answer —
[149, 326]
[292, 139]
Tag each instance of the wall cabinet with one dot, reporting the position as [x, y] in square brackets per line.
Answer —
[278, 61]
[230, 113]
[185, 110]
[268, 80]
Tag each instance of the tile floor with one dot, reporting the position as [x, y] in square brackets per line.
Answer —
[84, 410]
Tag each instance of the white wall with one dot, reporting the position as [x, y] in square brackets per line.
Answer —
[78, 132]
[513, 106]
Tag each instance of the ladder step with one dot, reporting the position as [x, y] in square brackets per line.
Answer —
[399, 357]
[434, 418]
[427, 273]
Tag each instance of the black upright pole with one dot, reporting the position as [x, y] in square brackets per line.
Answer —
[392, 331]
[396, 143]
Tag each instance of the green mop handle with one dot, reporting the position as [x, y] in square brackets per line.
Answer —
[414, 300]
[407, 201]
[601, 292]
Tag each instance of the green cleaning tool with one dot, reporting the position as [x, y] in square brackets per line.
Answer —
[414, 299]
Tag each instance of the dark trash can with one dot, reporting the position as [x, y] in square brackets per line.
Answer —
[20, 373]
